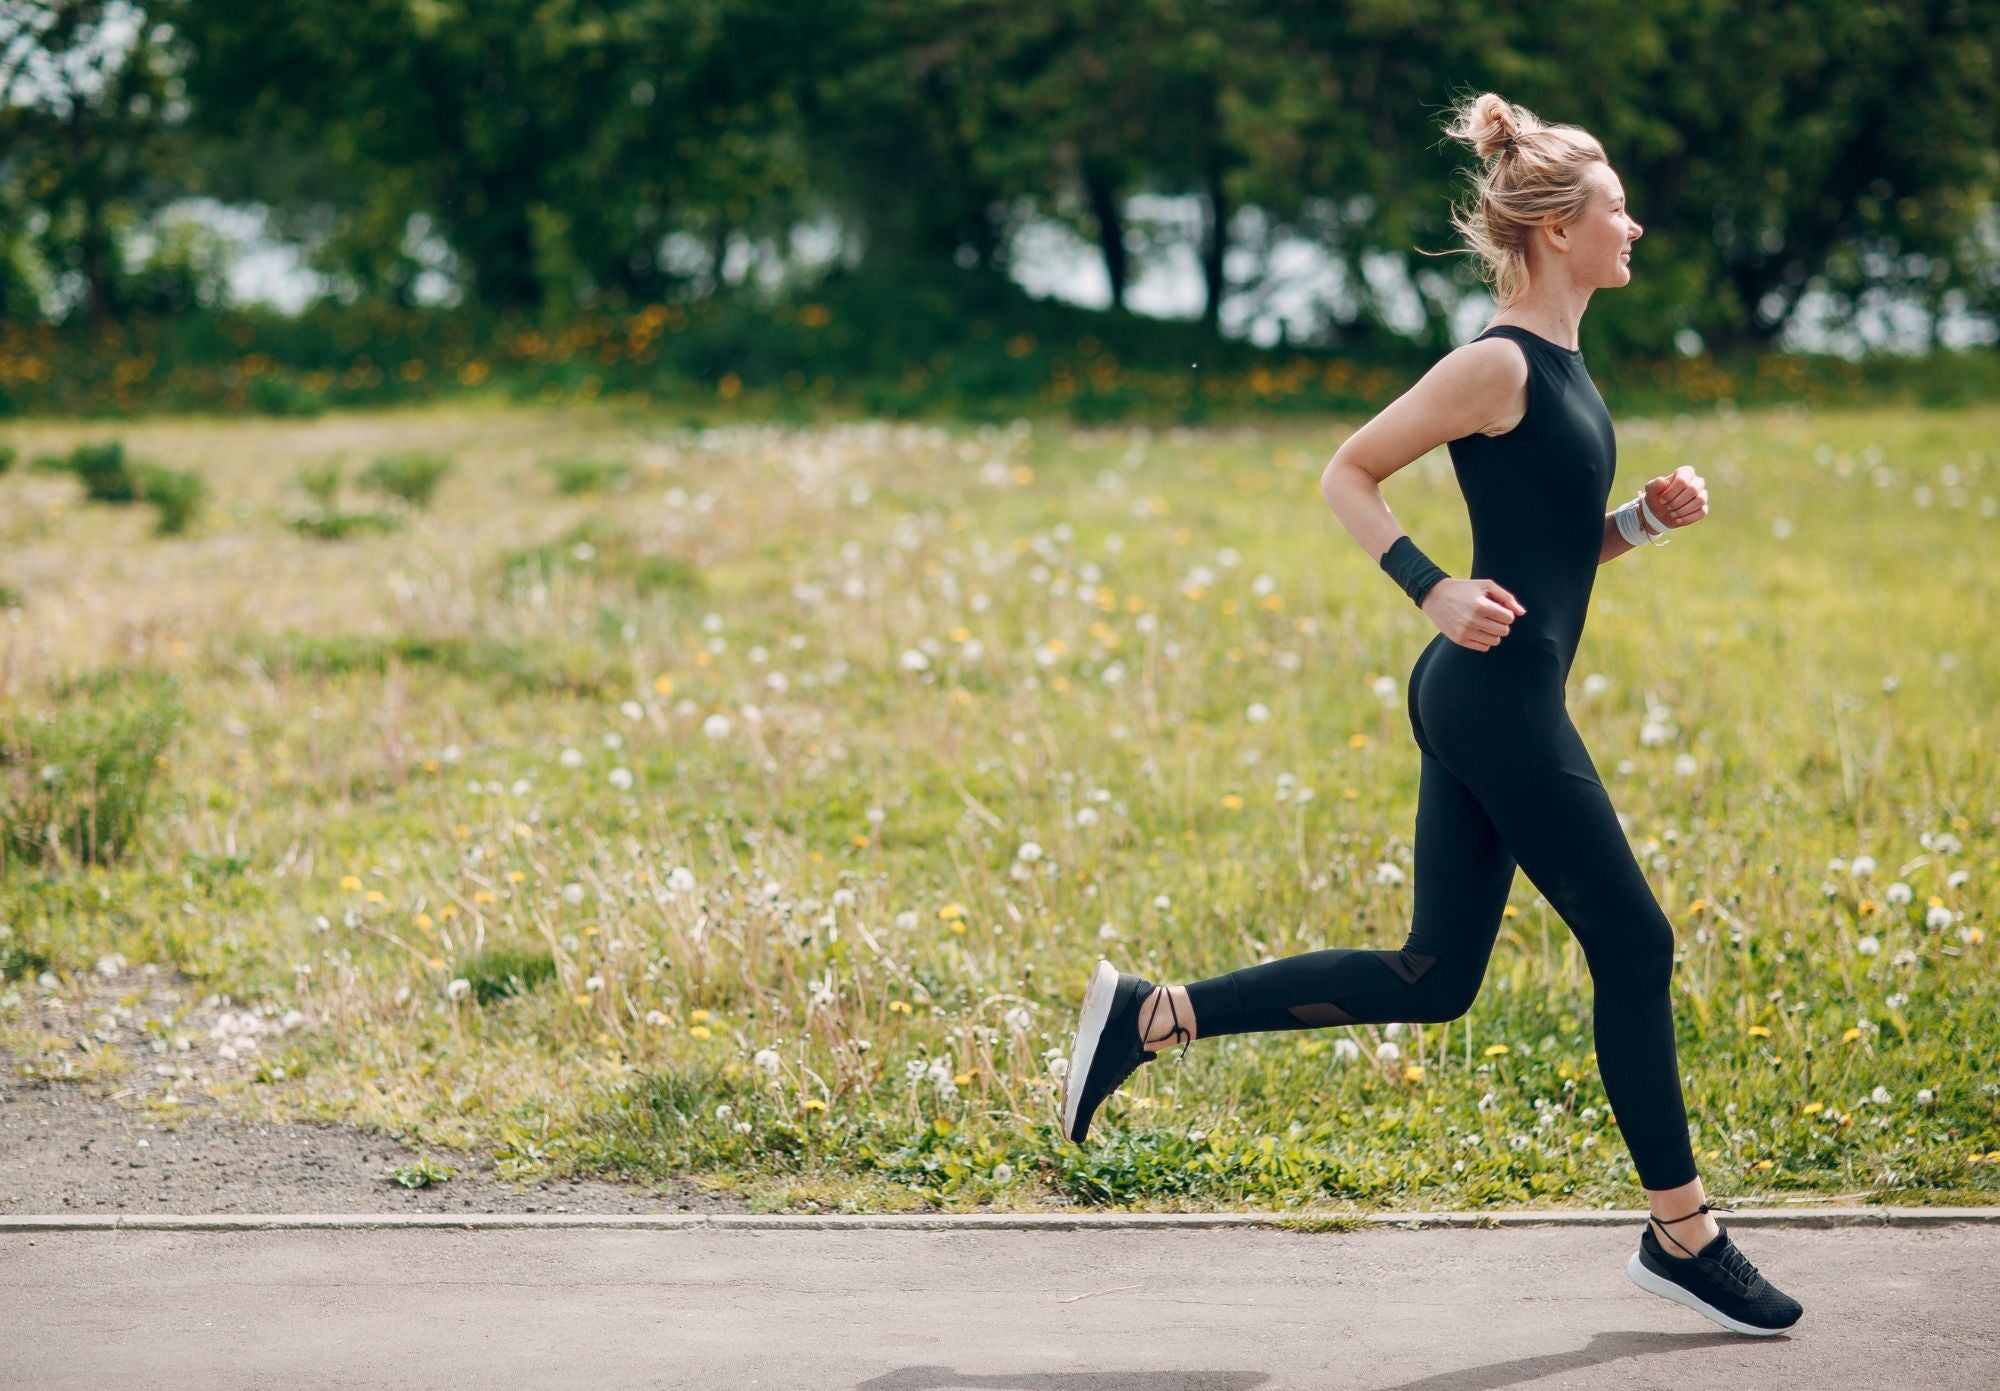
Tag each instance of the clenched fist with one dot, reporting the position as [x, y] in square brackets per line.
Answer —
[1472, 613]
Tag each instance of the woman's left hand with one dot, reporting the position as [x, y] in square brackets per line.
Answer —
[1680, 499]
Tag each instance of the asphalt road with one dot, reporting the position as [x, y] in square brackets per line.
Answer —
[1163, 1310]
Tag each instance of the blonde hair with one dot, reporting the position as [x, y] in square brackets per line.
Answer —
[1533, 174]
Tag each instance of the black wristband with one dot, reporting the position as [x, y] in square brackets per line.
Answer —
[1411, 568]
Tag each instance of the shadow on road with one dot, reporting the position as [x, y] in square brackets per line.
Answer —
[1603, 1348]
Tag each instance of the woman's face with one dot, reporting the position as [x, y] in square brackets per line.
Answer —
[1601, 238]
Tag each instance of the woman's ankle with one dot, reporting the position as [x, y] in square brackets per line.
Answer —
[1166, 1017]
[1678, 1222]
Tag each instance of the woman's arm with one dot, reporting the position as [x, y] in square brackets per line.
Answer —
[1616, 545]
[1469, 389]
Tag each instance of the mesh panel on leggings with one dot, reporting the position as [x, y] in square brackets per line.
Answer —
[1408, 966]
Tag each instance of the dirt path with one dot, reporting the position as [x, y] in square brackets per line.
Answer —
[77, 1141]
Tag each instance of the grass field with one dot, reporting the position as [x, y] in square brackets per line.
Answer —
[754, 802]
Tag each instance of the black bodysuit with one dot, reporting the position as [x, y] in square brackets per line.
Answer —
[1506, 779]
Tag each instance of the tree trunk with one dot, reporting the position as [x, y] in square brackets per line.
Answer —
[1104, 206]
[1215, 242]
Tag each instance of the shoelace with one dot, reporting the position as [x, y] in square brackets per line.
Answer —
[1178, 1029]
[1732, 1262]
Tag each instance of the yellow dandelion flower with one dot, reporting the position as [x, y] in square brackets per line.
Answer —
[1357, 741]
[1023, 475]
[1134, 604]
[1850, 1035]
[1054, 646]
[899, 1007]
[1867, 906]
[958, 926]
[461, 832]
[448, 912]
[1229, 606]
[859, 842]
[376, 896]
[663, 684]
[423, 921]
[950, 911]
[1935, 901]
[1183, 536]
[1765, 1164]
[1812, 1108]
[1413, 1073]
[960, 633]
[1510, 911]
[524, 830]
[698, 1016]
[515, 876]
[581, 999]
[349, 883]
[1497, 1050]
[1758, 1031]
[483, 896]
[430, 765]
[812, 1103]
[698, 1031]
[961, 1079]
[1700, 905]
[437, 963]
[1233, 802]
[1350, 793]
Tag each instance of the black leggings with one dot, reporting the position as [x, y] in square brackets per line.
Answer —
[1505, 779]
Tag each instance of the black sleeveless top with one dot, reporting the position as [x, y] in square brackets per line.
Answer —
[1537, 494]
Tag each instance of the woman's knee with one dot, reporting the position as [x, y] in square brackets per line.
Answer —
[1444, 991]
[1639, 960]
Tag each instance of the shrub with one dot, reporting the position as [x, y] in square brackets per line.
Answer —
[101, 469]
[413, 476]
[281, 396]
[77, 778]
[503, 971]
[319, 482]
[575, 476]
[175, 494]
[598, 551]
[338, 526]
[23, 963]
[107, 476]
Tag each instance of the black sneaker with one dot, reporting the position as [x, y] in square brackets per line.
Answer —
[1717, 1280]
[1107, 1049]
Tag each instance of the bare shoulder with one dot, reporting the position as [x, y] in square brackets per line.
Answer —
[1492, 375]
[1478, 388]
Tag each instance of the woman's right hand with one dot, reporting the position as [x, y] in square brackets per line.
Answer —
[1472, 613]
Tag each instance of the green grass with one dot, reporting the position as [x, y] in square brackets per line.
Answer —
[494, 746]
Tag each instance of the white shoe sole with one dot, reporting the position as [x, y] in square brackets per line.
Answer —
[1089, 1033]
[1655, 1284]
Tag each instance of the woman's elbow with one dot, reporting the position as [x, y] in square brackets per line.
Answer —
[1334, 478]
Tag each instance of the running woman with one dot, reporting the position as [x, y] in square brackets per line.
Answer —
[1505, 779]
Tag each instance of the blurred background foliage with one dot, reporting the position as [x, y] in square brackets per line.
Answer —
[459, 180]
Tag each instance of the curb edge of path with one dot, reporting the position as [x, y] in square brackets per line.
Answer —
[974, 1221]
